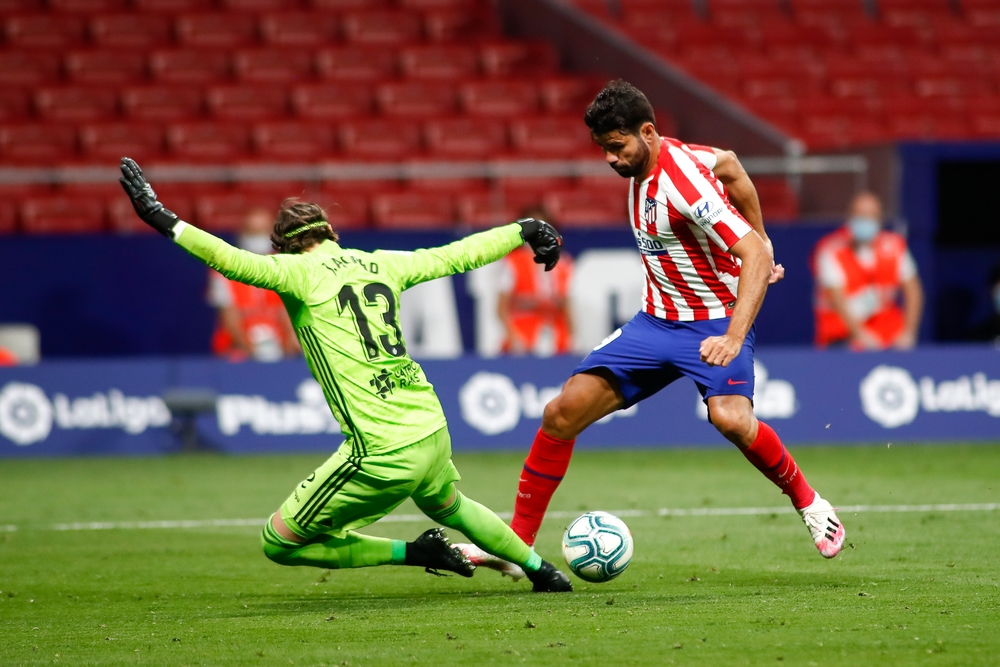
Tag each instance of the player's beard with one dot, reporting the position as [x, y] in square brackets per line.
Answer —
[637, 167]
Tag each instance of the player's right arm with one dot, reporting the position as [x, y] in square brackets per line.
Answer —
[273, 272]
[476, 250]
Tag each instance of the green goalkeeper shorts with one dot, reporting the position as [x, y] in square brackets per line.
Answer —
[349, 492]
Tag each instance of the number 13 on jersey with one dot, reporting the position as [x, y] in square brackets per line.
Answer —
[379, 297]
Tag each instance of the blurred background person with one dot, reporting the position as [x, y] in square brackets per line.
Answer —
[252, 322]
[533, 304]
[989, 328]
[861, 269]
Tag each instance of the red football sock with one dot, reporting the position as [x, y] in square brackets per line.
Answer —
[543, 470]
[770, 457]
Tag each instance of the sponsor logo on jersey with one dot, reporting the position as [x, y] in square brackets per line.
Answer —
[706, 212]
[382, 383]
[892, 398]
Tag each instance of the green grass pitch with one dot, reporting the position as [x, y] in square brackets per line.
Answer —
[913, 588]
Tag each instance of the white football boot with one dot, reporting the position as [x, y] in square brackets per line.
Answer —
[480, 558]
[827, 531]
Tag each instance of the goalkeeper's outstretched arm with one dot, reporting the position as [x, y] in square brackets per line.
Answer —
[479, 250]
[273, 272]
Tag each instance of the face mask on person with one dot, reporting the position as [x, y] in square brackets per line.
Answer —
[863, 229]
[256, 243]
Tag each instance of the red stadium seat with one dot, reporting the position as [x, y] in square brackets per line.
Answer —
[569, 94]
[466, 138]
[110, 141]
[380, 140]
[208, 141]
[926, 126]
[456, 24]
[27, 67]
[161, 102]
[223, 29]
[273, 65]
[499, 98]
[15, 6]
[227, 212]
[348, 5]
[985, 125]
[14, 104]
[105, 66]
[44, 30]
[837, 131]
[75, 103]
[412, 209]
[585, 208]
[331, 101]
[129, 30]
[952, 85]
[123, 220]
[294, 140]
[486, 209]
[60, 215]
[384, 28]
[356, 63]
[8, 217]
[345, 209]
[246, 102]
[412, 99]
[189, 66]
[778, 87]
[777, 200]
[298, 29]
[983, 17]
[425, 5]
[438, 62]
[37, 142]
[171, 6]
[254, 5]
[86, 6]
[551, 136]
[518, 58]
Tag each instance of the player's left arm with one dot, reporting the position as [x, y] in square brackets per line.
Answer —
[743, 195]
[755, 270]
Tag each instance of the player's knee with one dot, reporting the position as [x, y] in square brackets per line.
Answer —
[557, 420]
[731, 423]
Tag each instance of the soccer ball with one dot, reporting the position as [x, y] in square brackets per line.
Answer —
[597, 546]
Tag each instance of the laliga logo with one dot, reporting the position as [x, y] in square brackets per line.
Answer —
[25, 414]
[492, 404]
[891, 397]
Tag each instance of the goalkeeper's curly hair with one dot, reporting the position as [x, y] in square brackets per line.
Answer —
[620, 106]
[295, 214]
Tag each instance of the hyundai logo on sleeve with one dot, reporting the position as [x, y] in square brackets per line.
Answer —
[703, 209]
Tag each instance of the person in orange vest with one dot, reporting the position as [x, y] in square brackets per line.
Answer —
[861, 269]
[533, 303]
[252, 322]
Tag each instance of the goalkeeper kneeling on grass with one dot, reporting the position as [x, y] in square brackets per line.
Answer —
[344, 305]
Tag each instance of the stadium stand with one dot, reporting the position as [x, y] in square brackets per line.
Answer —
[303, 81]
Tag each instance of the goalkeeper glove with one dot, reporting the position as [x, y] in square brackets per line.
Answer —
[544, 240]
[144, 199]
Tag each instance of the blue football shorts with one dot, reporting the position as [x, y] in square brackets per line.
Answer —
[648, 353]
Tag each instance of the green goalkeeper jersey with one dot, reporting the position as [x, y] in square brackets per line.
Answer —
[344, 305]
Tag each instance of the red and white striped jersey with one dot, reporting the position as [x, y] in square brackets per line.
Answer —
[684, 226]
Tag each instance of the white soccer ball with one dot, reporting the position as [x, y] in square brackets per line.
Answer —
[597, 546]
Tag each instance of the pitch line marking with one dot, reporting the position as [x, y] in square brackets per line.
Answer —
[413, 518]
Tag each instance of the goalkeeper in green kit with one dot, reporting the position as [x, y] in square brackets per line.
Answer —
[344, 305]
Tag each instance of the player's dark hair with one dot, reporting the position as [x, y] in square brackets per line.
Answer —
[620, 106]
[299, 227]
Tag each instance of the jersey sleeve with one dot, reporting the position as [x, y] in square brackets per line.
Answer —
[472, 252]
[281, 273]
[696, 196]
[705, 154]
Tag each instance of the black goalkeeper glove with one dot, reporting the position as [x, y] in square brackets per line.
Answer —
[144, 199]
[544, 240]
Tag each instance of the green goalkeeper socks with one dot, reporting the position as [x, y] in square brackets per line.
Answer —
[485, 529]
[352, 550]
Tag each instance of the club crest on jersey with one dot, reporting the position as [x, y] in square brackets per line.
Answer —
[649, 212]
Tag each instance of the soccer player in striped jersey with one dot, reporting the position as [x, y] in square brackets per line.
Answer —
[344, 305]
[698, 225]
